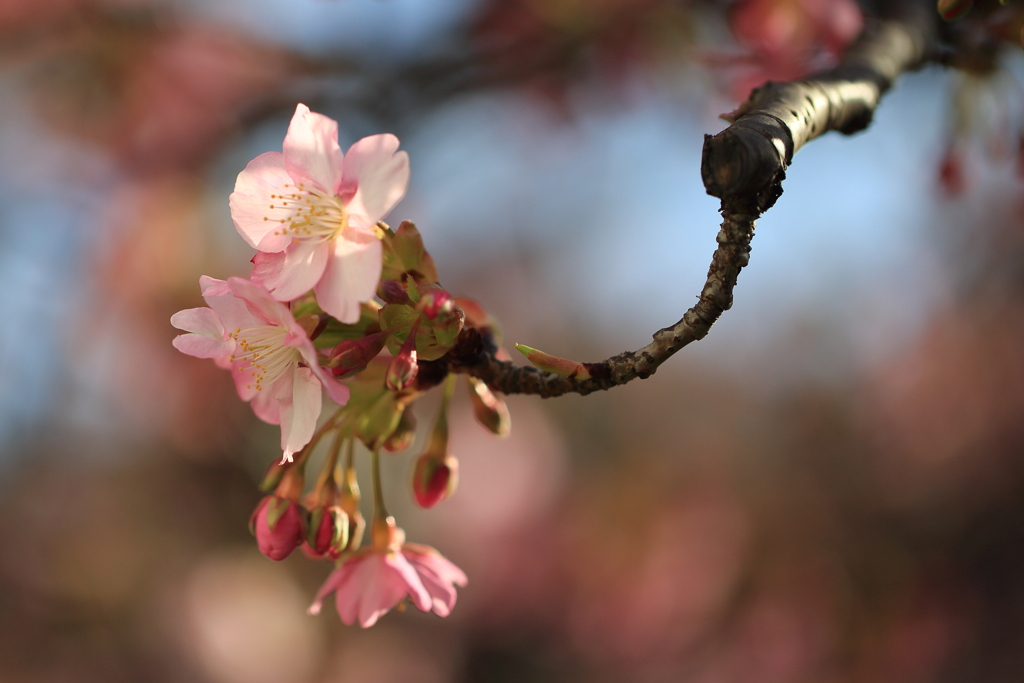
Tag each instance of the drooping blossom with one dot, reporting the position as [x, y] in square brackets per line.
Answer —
[311, 212]
[271, 357]
[371, 581]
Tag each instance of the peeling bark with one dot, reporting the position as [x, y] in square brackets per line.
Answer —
[744, 166]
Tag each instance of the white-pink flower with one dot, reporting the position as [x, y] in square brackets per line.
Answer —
[311, 213]
[272, 360]
[371, 581]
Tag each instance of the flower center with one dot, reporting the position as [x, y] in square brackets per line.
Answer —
[263, 353]
[315, 215]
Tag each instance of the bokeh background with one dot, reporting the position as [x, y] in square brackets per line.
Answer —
[829, 487]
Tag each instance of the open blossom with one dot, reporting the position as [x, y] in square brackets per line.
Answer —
[311, 213]
[371, 581]
[272, 359]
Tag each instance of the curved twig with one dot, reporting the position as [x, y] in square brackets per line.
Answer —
[744, 166]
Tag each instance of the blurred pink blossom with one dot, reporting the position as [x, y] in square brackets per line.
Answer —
[789, 38]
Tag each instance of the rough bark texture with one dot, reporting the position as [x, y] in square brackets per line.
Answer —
[744, 166]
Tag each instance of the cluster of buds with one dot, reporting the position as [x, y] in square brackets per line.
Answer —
[339, 302]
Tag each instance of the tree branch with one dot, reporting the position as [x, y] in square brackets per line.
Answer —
[744, 165]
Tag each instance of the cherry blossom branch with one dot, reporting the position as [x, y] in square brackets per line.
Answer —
[744, 165]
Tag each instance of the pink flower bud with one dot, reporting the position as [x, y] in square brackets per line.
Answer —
[392, 292]
[489, 410]
[404, 433]
[328, 531]
[403, 368]
[434, 479]
[436, 304]
[279, 525]
[549, 363]
[352, 355]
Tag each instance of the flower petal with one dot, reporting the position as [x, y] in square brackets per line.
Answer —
[298, 418]
[231, 310]
[351, 276]
[291, 273]
[349, 595]
[401, 566]
[199, 320]
[265, 404]
[442, 593]
[336, 391]
[379, 177]
[256, 204]
[444, 568]
[383, 589]
[207, 338]
[259, 303]
[311, 151]
[335, 582]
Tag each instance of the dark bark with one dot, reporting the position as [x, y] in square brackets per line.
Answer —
[744, 166]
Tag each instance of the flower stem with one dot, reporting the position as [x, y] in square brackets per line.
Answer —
[349, 463]
[449, 390]
[326, 483]
[379, 511]
[328, 425]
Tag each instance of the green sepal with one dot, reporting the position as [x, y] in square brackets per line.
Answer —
[316, 515]
[337, 332]
[340, 539]
[404, 253]
[275, 473]
[276, 507]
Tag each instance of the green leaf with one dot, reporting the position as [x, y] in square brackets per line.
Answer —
[447, 332]
[404, 253]
[305, 305]
[367, 386]
[376, 424]
[392, 315]
[336, 332]
[433, 340]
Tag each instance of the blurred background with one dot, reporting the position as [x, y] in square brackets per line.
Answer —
[829, 487]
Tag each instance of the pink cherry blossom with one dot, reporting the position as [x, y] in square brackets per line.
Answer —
[371, 581]
[272, 359]
[311, 212]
